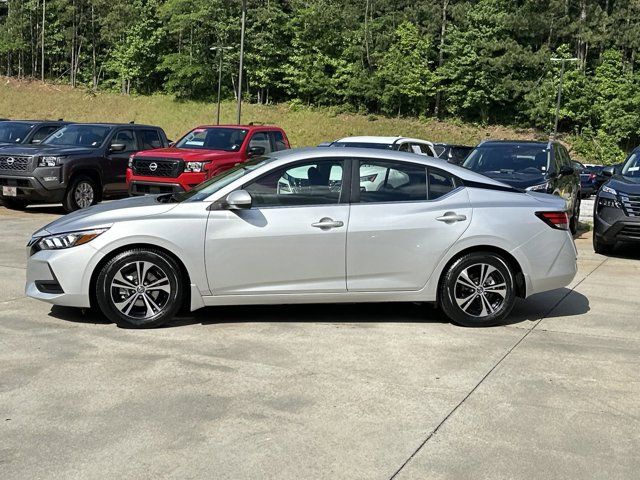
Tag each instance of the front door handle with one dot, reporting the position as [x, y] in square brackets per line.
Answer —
[451, 217]
[327, 223]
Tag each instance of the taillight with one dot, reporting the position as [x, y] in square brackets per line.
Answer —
[558, 220]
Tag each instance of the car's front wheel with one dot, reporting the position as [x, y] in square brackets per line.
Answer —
[478, 290]
[82, 193]
[140, 288]
[575, 217]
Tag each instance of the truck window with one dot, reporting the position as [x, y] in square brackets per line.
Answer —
[278, 141]
[149, 139]
[260, 139]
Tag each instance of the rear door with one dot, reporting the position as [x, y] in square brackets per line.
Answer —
[401, 226]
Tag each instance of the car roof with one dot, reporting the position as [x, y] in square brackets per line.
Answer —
[379, 139]
[241, 127]
[515, 142]
[55, 122]
[286, 156]
[112, 125]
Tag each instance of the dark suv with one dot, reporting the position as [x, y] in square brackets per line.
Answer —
[535, 166]
[27, 132]
[616, 214]
[78, 165]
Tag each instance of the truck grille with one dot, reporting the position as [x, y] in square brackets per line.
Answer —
[631, 204]
[631, 231]
[157, 167]
[12, 163]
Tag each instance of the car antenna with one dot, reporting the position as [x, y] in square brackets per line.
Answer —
[131, 122]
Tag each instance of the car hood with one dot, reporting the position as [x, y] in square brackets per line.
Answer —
[187, 154]
[106, 214]
[47, 150]
[625, 184]
[517, 179]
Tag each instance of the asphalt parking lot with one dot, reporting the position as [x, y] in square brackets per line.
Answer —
[332, 391]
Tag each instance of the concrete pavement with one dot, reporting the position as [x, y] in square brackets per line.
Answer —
[330, 391]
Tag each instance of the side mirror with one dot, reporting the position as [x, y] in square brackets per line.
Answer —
[172, 144]
[608, 171]
[255, 151]
[117, 147]
[238, 200]
[567, 170]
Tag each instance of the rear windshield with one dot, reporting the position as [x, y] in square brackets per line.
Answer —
[79, 136]
[510, 158]
[215, 138]
[631, 167]
[14, 132]
[379, 146]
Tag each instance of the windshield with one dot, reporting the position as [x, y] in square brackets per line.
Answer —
[509, 158]
[215, 138]
[631, 167]
[221, 180]
[78, 135]
[14, 132]
[379, 146]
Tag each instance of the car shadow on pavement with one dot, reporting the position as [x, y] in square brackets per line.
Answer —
[551, 304]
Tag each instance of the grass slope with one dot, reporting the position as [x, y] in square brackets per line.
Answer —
[304, 126]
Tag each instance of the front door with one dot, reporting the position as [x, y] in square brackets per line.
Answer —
[115, 178]
[292, 239]
[406, 218]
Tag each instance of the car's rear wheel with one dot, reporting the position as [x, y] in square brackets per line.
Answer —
[601, 247]
[14, 204]
[478, 290]
[140, 288]
[82, 193]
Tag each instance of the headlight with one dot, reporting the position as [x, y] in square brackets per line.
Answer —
[68, 240]
[194, 167]
[130, 165]
[543, 187]
[49, 161]
[608, 190]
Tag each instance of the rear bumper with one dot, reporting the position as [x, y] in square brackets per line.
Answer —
[45, 188]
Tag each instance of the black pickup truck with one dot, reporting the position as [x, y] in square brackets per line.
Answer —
[78, 165]
[27, 132]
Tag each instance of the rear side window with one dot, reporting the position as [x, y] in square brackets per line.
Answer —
[392, 182]
[149, 139]
[42, 133]
[278, 141]
[440, 183]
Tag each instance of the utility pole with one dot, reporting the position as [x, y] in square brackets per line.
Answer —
[244, 19]
[559, 101]
[44, 10]
[221, 50]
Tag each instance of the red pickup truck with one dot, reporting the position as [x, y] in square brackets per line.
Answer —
[202, 153]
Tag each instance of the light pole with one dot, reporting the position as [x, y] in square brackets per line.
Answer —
[221, 49]
[561, 60]
[244, 19]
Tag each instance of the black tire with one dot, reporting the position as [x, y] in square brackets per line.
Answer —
[601, 247]
[141, 312]
[476, 313]
[14, 204]
[575, 217]
[82, 193]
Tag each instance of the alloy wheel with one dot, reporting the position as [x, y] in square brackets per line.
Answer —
[84, 195]
[480, 290]
[140, 290]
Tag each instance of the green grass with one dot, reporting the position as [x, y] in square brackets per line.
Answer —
[304, 126]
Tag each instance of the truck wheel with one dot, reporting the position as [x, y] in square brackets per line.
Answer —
[82, 193]
[140, 288]
[13, 204]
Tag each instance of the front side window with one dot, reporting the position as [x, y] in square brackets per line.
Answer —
[42, 133]
[214, 138]
[631, 167]
[382, 181]
[311, 183]
[79, 135]
[261, 139]
[125, 137]
[14, 132]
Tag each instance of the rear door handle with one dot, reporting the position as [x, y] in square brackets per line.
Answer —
[451, 217]
[327, 223]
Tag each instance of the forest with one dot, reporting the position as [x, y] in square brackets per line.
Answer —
[484, 61]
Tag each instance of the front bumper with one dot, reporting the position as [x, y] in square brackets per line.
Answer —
[43, 185]
[142, 185]
[611, 225]
[62, 277]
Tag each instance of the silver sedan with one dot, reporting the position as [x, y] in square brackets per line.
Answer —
[302, 226]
